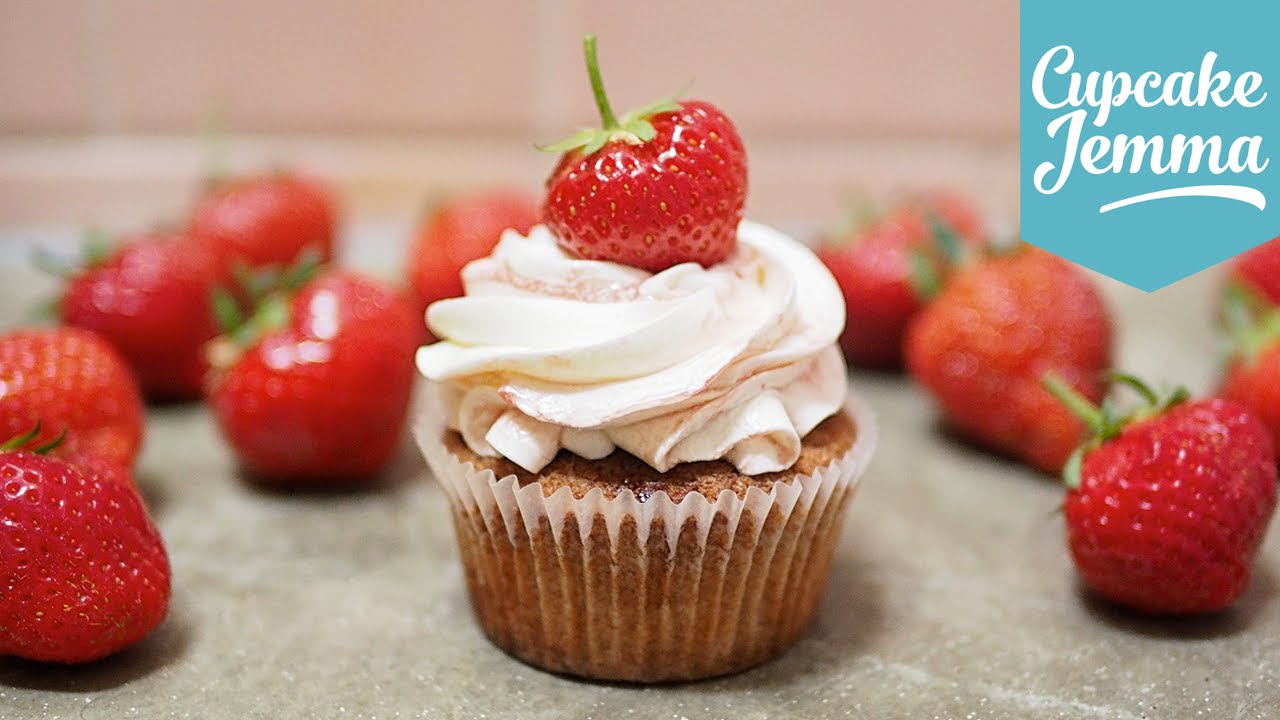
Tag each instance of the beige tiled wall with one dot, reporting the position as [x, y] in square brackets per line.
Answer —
[104, 103]
[852, 66]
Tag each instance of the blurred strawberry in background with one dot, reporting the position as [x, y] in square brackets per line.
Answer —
[888, 266]
[312, 388]
[1252, 370]
[70, 379]
[1258, 271]
[150, 298]
[458, 231]
[984, 344]
[266, 220]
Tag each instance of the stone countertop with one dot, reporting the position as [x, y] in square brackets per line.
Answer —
[952, 594]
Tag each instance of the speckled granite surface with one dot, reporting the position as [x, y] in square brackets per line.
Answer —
[952, 595]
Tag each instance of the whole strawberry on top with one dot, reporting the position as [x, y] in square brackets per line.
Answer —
[149, 297]
[313, 388]
[84, 572]
[458, 231]
[1253, 366]
[267, 220]
[983, 344]
[1258, 271]
[661, 185]
[1168, 504]
[70, 379]
[890, 266]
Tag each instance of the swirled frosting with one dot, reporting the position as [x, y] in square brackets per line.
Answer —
[736, 361]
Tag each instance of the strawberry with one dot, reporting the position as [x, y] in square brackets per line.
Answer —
[1168, 504]
[84, 572]
[1253, 367]
[992, 332]
[1258, 270]
[459, 231]
[269, 220]
[70, 379]
[888, 268]
[662, 186]
[314, 388]
[150, 299]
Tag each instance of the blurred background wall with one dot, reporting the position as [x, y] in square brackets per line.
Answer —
[105, 104]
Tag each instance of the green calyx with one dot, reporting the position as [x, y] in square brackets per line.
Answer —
[946, 240]
[95, 248]
[1252, 323]
[265, 292]
[634, 127]
[1107, 421]
[20, 442]
[926, 276]
[930, 265]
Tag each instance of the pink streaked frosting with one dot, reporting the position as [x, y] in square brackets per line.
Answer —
[736, 362]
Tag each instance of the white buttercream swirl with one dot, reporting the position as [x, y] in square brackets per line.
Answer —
[736, 362]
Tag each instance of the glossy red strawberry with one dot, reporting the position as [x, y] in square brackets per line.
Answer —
[314, 389]
[83, 572]
[661, 186]
[268, 220]
[461, 230]
[982, 346]
[889, 267]
[1168, 504]
[150, 299]
[70, 379]
[1258, 270]
[1253, 370]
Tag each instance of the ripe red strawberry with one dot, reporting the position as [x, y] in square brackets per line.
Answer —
[150, 299]
[1168, 504]
[459, 231]
[1253, 369]
[70, 379]
[663, 185]
[318, 391]
[889, 268]
[1258, 270]
[84, 571]
[267, 220]
[995, 329]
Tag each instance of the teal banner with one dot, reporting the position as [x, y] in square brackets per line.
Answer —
[1150, 133]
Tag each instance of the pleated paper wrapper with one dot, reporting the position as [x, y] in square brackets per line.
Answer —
[653, 591]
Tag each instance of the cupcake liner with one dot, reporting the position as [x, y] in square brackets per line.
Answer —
[619, 589]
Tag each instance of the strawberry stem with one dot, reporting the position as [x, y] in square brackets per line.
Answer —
[607, 117]
[17, 441]
[1136, 384]
[45, 448]
[1079, 405]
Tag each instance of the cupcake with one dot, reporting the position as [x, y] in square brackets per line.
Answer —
[640, 416]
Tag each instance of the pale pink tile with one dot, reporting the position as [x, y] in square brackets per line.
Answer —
[861, 66]
[295, 65]
[45, 81]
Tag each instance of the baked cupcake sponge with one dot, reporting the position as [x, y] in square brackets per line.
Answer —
[608, 569]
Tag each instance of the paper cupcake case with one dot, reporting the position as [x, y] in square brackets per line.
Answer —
[653, 591]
